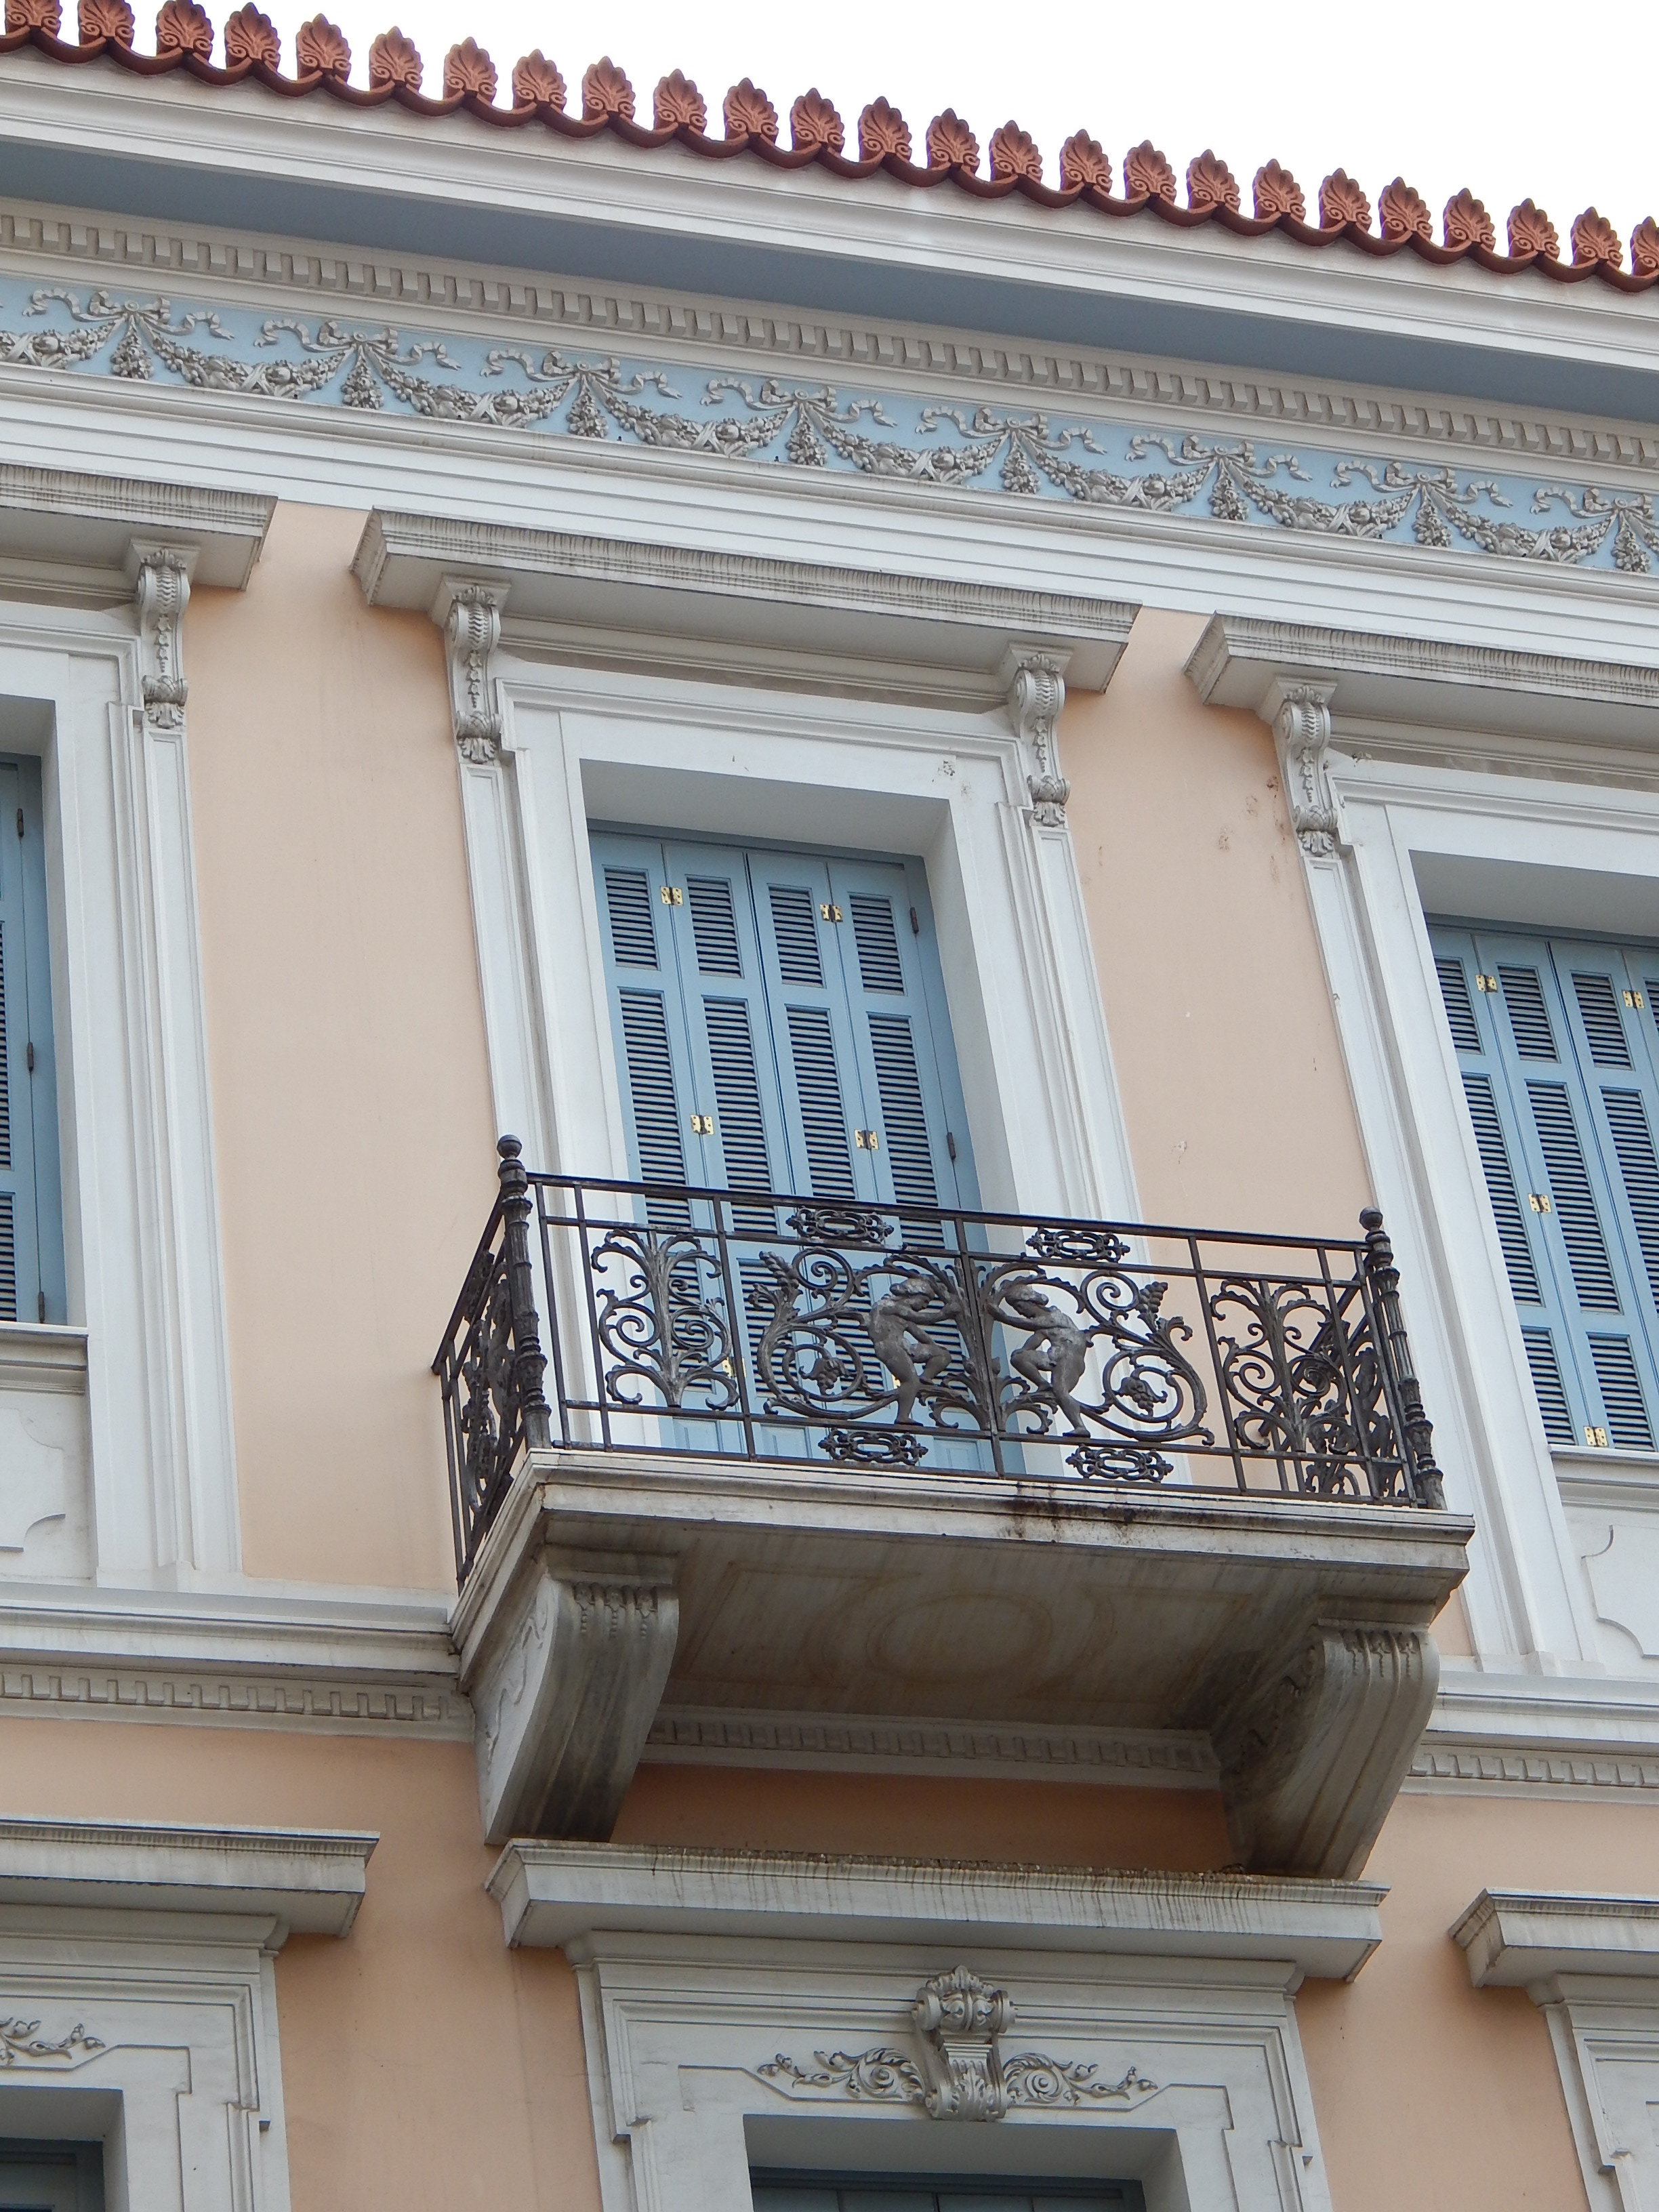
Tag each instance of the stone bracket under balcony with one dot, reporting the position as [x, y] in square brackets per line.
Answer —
[1292, 1631]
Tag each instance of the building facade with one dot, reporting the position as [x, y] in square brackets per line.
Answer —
[954, 880]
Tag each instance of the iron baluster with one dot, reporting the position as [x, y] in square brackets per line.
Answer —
[554, 1345]
[596, 1345]
[1206, 1307]
[529, 1361]
[1424, 1478]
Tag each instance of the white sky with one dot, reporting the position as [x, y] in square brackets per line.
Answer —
[1515, 101]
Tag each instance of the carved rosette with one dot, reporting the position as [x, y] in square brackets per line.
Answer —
[1302, 725]
[472, 630]
[1036, 696]
[161, 592]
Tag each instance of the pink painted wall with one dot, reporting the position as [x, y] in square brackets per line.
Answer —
[350, 1089]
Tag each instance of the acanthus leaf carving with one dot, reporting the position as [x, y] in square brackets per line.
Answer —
[21, 2043]
[1302, 725]
[1036, 693]
[960, 2073]
[472, 630]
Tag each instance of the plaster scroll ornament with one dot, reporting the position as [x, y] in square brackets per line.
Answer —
[959, 2072]
[21, 2043]
[161, 592]
[1302, 725]
[1035, 698]
[472, 630]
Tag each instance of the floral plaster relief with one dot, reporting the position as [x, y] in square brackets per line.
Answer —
[1022, 453]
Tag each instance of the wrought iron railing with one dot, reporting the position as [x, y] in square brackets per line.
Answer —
[766, 1327]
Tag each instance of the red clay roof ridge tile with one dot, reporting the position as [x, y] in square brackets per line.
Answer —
[1405, 223]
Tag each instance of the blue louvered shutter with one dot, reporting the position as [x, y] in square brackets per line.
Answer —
[1563, 1103]
[32, 1285]
[647, 1014]
[823, 1106]
[901, 1031]
[1481, 1036]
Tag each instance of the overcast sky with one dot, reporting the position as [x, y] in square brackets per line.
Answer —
[1517, 101]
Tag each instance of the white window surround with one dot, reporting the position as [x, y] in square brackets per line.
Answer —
[770, 701]
[91, 682]
[138, 2000]
[727, 1999]
[1591, 1964]
[1433, 778]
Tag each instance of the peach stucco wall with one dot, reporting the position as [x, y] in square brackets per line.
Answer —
[350, 1089]
[427, 2070]
[1228, 1064]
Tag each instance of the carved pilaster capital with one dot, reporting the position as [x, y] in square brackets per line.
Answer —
[1037, 692]
[1301, 716]
[471, 611]
[161, 592]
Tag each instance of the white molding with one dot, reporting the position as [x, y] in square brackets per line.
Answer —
[552, 1894]
[698, 592]
[43, 1356]
[326, 1663]
[1591, 1965]
[78, 528]
[256, 269]
[311, 1880]
[707, 2051]
[949, 783]
[719, 1736]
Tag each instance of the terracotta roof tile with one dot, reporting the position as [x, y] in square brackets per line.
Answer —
[184, 40]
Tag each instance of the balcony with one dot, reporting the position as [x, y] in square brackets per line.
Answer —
[731, 1456]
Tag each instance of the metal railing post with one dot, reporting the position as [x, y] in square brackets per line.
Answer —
[529, 1361]
[1425, 1476]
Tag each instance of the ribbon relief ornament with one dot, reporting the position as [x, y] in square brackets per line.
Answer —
[959, 2072]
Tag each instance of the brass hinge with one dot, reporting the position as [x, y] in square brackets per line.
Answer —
[702, 1125]
[867, 1140]
[1539, 1201]
[673, 894]
[1633, 999]
[1486, 982]
[828, 909]
[1596, 1438]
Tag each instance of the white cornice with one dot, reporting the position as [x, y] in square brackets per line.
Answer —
[68, 533]
[312, 1880]
[1385, 680]
[252, 269]
[328, 1664]
[711, 1736]
[694, 591]
[555, 1893]
[1512, 1939]
[523, 197]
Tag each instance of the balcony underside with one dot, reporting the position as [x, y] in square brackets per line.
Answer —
[1291, 1631]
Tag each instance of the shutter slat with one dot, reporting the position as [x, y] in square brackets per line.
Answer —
[817, 1087]
[1573, 1198]
[1598, 1008]
[904, 1117]
[1548, 1386]
[1628, 1422]
[1460, 1007]
[633, 926]
[878, 943]
[1639, 1169]
[795, 933]
[651, 1081]
[1529, 1017]
[714, 925]
[8, 1258]
[5, 1068]
[739, 1120]
[1500, 1189]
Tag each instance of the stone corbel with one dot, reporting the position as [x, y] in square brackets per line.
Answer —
[1317, 1746]
[469, 610]
[1035, 694]
[1301, 718]
[160, 592]
[570, 1674]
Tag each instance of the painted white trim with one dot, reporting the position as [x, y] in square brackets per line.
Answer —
[882, 775]
[551, 1893]
[707, 2054]
[310, 1879]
